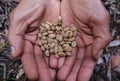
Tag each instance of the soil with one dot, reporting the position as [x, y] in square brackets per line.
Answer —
[107, 67]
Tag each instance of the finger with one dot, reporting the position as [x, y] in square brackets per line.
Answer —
[52, 16]
[51, 71]
[65, 70]
[53, 61]
[77, 65]
[42, 66]
[28, 62]
[16, 43]
[61, 62]
[87, 67]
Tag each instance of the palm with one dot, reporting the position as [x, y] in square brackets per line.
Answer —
[92, 21]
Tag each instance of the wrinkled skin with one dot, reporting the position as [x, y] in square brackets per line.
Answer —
[24, 21]
[89, 16]
[92, 21]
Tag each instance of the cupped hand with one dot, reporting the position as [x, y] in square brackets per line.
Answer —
[24, 22]
[92, 21]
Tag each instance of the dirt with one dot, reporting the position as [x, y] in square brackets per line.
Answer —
[107, 67]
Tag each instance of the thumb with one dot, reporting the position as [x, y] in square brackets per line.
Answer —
[16, 42]
[101, 39]
[101, 33]
[19, 25]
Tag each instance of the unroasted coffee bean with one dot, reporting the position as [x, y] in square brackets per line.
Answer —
[52, 45]
[44, 37]
[50, 24]
[47, 27]
[51, 35]
[49, 40]
[50, 32]
[71, 39]
[51, 50]
[68, 53]
[67, 48]
[61, 54]
[43, 41]
[44, 34]
[74, 29]
[57, 38]
[66, 45]
[46, 46]
[55, 50]
[42, 47]
[47, 53]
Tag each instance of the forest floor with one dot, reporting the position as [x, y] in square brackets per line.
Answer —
[107, 67]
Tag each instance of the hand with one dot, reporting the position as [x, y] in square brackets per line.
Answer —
[24, 21]
[92, 21]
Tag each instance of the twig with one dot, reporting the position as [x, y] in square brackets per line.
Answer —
[5, 71]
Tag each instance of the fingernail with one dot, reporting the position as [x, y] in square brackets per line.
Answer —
[13, 50]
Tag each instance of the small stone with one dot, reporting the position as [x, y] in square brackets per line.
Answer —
[74, 44]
